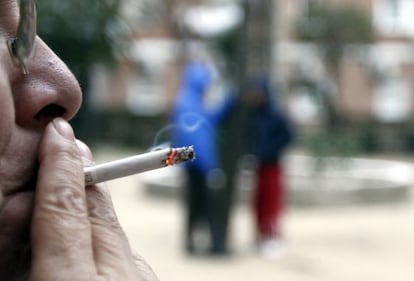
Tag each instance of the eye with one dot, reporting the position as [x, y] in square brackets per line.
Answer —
[11, 44]
[21, 46]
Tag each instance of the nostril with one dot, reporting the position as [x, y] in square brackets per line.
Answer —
[50, 112]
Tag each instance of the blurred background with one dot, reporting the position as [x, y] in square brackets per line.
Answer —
[344, 70]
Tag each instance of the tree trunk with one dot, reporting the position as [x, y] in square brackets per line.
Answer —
[254, 57]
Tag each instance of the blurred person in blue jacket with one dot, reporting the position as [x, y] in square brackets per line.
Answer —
[195, 123]
[269, 134]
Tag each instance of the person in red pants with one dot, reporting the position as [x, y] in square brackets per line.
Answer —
[269, 134]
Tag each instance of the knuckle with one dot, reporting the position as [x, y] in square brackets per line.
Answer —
[102, 219]
[66, 200]
[101, 211]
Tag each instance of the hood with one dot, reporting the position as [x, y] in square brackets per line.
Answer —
[197, 76]
[261, 86]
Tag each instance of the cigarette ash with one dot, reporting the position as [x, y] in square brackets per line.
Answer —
[179, 155]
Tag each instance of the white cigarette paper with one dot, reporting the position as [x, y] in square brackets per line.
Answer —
[138, 164]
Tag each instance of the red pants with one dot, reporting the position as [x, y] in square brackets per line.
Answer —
[269, 200]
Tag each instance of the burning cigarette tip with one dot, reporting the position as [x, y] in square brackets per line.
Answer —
[179, 155]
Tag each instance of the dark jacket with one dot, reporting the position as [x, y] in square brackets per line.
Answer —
[269, 131]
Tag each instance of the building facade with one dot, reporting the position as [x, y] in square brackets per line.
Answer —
[375, 81]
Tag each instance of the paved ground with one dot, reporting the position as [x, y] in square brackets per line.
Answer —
[324, 244]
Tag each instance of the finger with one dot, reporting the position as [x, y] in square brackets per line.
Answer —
[87, 158]
[61, 233]
[84, 150]
[110, 243]
[108, 238]
[143, 267]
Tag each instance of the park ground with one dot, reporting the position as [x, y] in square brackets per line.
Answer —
[348, 243]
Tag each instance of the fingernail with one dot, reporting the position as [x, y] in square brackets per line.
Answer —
[63, 128]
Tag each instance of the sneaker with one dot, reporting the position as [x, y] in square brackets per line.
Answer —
[272, 249]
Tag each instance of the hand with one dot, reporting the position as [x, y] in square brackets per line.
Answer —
[75, 231]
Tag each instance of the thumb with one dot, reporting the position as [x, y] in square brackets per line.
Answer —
[60, 227]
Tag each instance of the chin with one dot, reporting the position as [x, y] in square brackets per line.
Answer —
[15, 259]
[15, 250]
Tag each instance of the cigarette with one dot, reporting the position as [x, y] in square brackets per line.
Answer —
[138, 164]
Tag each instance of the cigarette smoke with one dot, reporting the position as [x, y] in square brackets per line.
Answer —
[188, 122]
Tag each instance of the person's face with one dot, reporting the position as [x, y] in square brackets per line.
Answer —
[27, 104]
[254, 98]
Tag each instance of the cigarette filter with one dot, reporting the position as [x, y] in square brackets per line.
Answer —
[138, 164]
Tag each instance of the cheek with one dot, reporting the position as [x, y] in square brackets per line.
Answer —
[6, 114]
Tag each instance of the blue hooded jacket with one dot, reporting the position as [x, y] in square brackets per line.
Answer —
[269, 131]
[194, 123]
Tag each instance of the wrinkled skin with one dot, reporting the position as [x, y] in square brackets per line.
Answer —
[51, 226]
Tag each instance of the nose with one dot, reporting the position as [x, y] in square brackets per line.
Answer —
[49, 90]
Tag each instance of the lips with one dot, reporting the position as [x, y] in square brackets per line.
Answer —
[16, 204]
[18, 173]
[16, 208]
[17, 195]
[30, 185]
[15, 247]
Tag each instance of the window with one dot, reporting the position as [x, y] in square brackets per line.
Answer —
[394, 17]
